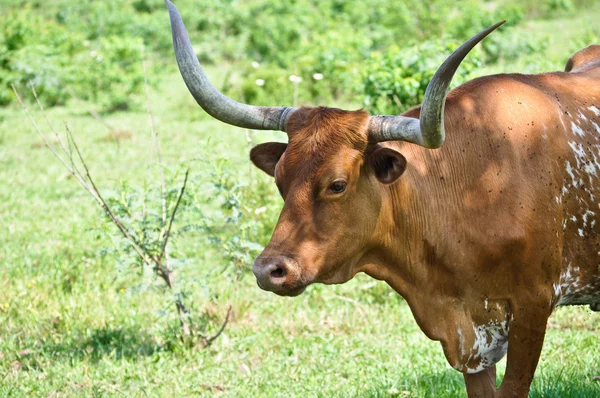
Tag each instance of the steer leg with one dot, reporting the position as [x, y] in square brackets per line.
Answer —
[525, 341]
[482, 384]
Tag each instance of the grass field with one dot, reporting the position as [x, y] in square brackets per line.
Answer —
[70, 325]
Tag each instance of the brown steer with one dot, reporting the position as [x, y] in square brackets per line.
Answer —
[483, 237]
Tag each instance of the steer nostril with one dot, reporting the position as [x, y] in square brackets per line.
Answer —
[278, 272]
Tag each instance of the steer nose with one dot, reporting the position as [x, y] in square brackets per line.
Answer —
[276, 274]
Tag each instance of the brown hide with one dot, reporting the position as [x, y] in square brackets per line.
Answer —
[482, 237]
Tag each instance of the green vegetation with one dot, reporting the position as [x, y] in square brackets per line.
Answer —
[79, 316]
[92, 49]
[62, 62]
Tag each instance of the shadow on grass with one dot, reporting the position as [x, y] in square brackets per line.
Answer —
[113, 343]
[450, 383]
[575, 386]
[445, 383]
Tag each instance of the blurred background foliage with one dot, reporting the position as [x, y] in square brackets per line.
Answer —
[379, 53]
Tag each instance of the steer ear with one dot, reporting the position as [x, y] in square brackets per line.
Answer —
[265, 156]
[387, 164]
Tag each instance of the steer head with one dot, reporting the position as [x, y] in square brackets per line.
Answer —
[331, 173]
[327, 175]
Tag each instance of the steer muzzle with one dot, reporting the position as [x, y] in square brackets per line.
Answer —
[280, 275]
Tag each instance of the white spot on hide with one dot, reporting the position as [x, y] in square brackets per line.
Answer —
[570, 173]
[577, 130]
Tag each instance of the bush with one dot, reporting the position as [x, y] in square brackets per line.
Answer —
[33, 50]
[307, 39]
[503, 42]
[549, 9]
[396, 80]
[271, 85]
[117, 18]
[92, 49]
[110, 74]
[586, 39]
[243, 217]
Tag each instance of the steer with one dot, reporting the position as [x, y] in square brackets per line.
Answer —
[483, 236]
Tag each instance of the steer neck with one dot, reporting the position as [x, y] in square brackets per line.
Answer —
[404, 253]
[399, 235]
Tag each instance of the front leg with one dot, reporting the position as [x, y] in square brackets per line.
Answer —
[482, 384]
[525, 341]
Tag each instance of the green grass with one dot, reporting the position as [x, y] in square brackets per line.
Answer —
[70, 325]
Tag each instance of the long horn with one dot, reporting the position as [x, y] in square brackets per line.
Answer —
[209, 98]
[428, 131]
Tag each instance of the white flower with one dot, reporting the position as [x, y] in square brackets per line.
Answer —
[260, 210]
[99, 58]
[260, 82]
[255, 64]
[86, 43]
[93, 53]
[318, 76]
[295, 79]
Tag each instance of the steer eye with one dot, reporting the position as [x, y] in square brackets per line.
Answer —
[337, 186]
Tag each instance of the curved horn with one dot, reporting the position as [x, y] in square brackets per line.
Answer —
[209, 98]
[428, 131]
